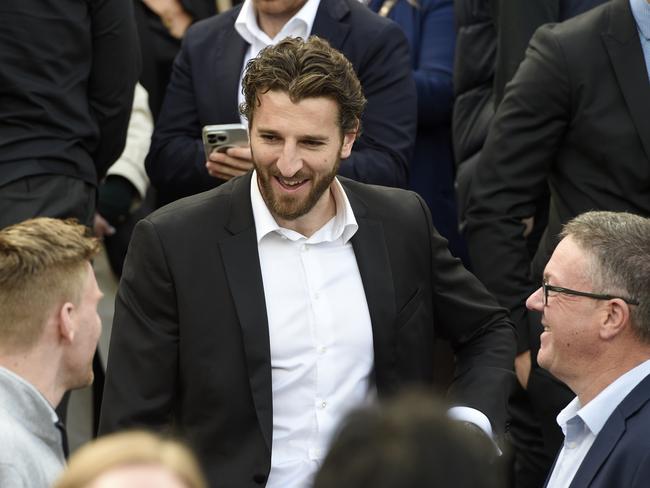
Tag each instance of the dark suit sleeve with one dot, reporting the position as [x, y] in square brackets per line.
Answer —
[176, 161]
[382, 154]
[433, 70]
[114, 73]
[141, 376]
[512, 174]
[479, 330]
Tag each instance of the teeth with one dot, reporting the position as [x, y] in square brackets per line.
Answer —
[291, 183]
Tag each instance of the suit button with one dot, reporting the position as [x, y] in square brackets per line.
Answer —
[259, 478]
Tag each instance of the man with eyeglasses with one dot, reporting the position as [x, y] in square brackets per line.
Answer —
[595, 306]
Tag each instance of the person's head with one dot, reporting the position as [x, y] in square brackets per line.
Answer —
[49, 296]
[607, 256]
[408, 442]
[132, 460]
[303, 102]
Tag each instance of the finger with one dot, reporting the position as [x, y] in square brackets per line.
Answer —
[240, 152]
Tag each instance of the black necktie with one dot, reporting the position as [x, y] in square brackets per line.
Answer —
[64, 437]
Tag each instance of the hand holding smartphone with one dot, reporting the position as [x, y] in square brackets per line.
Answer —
[221, 137]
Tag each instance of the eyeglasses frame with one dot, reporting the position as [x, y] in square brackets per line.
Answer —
[568, 291]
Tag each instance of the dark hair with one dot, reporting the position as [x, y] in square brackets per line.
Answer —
[305, 69]
[409, 442]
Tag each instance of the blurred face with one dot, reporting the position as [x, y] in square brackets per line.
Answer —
[297, 149]
[138, 476]
[88, 327]
[283, 8]
[570, 340]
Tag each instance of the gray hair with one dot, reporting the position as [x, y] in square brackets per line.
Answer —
[618, 244]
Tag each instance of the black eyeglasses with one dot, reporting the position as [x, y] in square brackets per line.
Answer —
[567, 291]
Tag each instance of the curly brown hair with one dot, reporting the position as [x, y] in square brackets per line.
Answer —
[305, 69]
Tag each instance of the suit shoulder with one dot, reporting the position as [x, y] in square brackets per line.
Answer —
[208, 206]
[584, 26]
[207, 30]
[365, 23]
[386, 202]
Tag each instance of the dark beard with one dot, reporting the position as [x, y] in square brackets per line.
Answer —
[287, 208]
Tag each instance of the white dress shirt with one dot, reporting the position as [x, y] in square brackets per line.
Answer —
[320, 335]
[246, 25]
[581, 425]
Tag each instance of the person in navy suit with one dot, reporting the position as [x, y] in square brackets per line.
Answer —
[205, 83]
[595, 307]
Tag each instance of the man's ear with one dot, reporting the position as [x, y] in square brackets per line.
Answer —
[348, 140]
[66, 327]
[616, 320]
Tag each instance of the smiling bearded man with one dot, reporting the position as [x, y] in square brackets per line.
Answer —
[254, 316]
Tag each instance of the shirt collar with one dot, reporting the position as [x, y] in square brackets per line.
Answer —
[343, 226]
[595, 413]
[301, 23]
[641, 13]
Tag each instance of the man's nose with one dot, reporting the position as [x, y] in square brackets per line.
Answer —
[536, 300]
[289, 162]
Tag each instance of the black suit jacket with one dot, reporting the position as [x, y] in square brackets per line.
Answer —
[575, 118]
[190, 342]
[620, 455]
[205, 79]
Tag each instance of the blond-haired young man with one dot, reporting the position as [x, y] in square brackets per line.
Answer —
[49, 329]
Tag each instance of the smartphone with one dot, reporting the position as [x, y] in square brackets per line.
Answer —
[223, 136]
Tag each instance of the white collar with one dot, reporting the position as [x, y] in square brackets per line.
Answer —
[247, 27]
[343, 225]
[596, 413]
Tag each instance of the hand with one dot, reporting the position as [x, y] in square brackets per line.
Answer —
[172, 14]
[522, 368]
[101, 227]
[236, 161]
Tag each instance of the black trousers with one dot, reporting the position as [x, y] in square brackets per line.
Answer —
[47, 195]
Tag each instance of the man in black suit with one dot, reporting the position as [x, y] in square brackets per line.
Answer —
[252, 317]
[575, 118]
[206, 81]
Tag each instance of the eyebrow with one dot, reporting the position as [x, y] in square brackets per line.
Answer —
[311, 137]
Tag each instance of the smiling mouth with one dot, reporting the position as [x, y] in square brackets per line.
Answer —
[290, 184]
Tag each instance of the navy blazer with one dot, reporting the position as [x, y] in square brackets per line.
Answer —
[205, 79]
[620, 455]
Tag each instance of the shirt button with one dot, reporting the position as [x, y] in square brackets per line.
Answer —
[322, 349]
[316, 296]
[305, 248]
[323, 404]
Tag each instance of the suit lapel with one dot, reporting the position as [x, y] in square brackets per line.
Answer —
[327, 23]
[242, 268]
[229, 60]
[600, 450]
[611, 433]
[369, 246]
[624, 49]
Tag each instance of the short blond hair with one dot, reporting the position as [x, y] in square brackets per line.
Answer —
[42, 265]
[128, 449]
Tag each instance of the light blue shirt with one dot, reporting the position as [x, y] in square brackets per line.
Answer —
[641, 13]
[581, 425]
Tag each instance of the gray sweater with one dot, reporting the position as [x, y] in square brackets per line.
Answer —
[31, 454]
